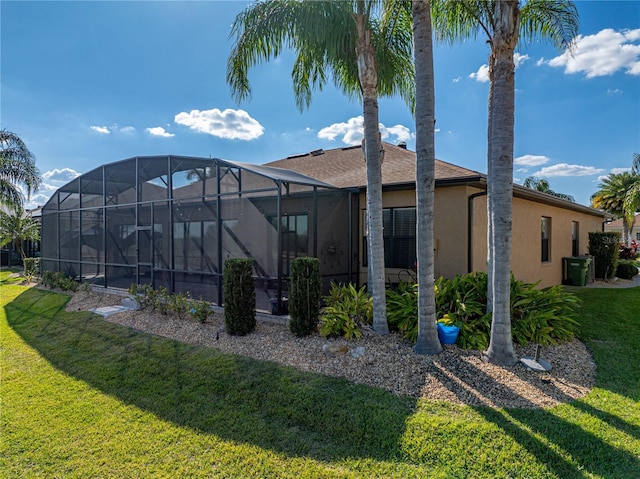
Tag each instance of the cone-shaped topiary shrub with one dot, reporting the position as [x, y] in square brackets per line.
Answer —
[239, 297]
[304, 296]
[603, 246]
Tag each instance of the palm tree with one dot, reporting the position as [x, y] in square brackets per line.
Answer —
[17, 167]
[542, 185]
[614, 193]
[18, 226]
[427, 341]
[505, 23]
[632, 199]
[367, 53]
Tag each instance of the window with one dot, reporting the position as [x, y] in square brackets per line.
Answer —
[575, 238]
[638, 236]
[399, 225]
[546, 238]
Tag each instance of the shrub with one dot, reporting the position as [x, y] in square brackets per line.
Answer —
[603, 246]
[59, 280]
[304, 295]
[628, 252]
[144, 294]
[180, 304]
[627, 269]
[346, 312]
[31, 268]
[200, 310]
[542, 316]
[402, 309]
[239, 296]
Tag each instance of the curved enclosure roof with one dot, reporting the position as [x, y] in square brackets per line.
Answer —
[150, 178]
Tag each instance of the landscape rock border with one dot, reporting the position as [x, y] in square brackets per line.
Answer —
[455, 375]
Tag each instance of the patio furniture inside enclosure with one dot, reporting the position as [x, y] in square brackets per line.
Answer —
[172, 221]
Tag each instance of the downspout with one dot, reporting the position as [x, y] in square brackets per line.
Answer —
[470, 229]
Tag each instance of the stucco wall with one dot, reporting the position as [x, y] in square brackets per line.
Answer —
[526, 260]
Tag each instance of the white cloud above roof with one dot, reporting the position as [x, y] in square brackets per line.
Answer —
[352, 132]
[530, 160]
[60, 174]
[229, 124]
[603, 53]
[565, 169]
[159, 131]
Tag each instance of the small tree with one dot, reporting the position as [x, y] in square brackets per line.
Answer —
[304, 295]
[603, 246]
[239, 297]
[17, 226]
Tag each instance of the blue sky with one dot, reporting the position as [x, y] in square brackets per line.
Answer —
[88, 83]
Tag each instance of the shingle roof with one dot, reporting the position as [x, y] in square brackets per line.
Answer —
[346, 168]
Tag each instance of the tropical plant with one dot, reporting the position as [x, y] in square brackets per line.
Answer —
[304, 295]
[427, 338]
[402, 310]
[59, 280]
[629, 252]
[626, 269]
[603, 246]
[366, 47]
[347, 311]
[613, 192]
[17, 226]
[542, 185]
[31, 268]
[17, 167]
[504, 23]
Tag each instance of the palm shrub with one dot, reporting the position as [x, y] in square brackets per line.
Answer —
[348, 310]
[604, 247]
[239, 296]
[31, 268]
[304, 295]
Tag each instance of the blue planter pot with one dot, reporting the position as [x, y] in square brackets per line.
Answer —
[448, 334]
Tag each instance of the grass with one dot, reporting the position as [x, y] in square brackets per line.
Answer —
[86, 398]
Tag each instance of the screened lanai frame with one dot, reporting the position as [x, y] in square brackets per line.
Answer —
[172, 221]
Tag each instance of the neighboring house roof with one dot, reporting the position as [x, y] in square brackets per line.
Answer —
[618, 223]
[346, 168]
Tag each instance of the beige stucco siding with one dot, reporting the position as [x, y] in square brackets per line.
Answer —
[526, 262]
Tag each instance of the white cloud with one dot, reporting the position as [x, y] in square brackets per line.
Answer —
[63, 175]
[565, 169]
[617, 171]
[127, 130]
[228, 124]
[159, 131]
[482, 75]
[352, 131]
[604, 53]
[615, 91]
[457, 79]
[530, 160]
[100, 129]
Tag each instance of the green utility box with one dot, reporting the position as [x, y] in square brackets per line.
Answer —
[576, 269]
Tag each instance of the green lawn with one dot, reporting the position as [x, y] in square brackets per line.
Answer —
[85, 398]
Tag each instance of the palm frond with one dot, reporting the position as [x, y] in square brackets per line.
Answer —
[555, 21]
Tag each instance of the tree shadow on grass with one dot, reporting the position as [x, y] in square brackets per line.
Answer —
[233, 397]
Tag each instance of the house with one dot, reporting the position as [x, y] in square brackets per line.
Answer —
[172, 221]
[545, 228]
[634, 232]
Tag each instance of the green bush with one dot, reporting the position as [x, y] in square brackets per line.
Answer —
[239, 296]
[541, 316]
[59, 280]
[346, 312]
[144, 294]
[200, 310]
[31, 268]
[180, 304]
[626, 269]
[604, 247]
[402, 310]
[304, 295]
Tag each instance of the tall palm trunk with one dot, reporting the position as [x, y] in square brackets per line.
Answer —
[427, 342]
[500, 197]
[373, 156]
